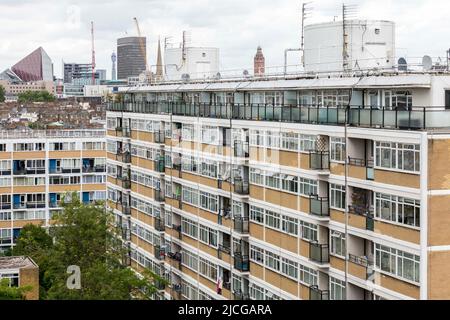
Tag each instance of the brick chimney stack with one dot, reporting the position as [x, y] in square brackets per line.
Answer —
[259, 63]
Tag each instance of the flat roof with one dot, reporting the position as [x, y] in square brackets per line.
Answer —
[16, 262]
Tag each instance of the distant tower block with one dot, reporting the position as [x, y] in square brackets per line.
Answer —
[113, 70]
[259, 63]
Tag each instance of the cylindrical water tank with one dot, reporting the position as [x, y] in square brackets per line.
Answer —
[370, 44]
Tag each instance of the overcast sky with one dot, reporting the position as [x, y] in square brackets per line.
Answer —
[237, 27]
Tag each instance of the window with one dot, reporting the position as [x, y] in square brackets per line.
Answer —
[189, 228]
[402, 264]
[397, 156]
[307, 143]
[308, 231]
[273, 139]
[289, 183]
[256, 292]
[208, 236]
[308, 275]
[337, 244]
[272, 261]
[308, 187]
[207, 269]
[337, 149]
[256, 254]
[188, 132]
[210, 135]
[257, 214]
[289, 225]
[397, 209]
[337, 289]
[273, 180]
[256, 138]
[337, 196]
[289, 268]
[256, 177]
[208, 201]
[2, 147]
[190, 196]
[272, 219]
[190, 260]
[289, 141]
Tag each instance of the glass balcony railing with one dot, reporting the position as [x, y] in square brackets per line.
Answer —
[368, 164]
[160, 165]
[241, 224]
[241, 187]
[241, 263]
[319, 252]
[160, 225]
[319, 206]
[124, 131]
[124, 157]
[316, 294]
[319, 160]
[412, 118]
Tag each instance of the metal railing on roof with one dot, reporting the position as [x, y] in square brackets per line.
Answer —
[410, 118]
[43, 134]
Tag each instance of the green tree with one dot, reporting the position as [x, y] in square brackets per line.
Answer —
[36, 96]
[2, 94]
[12, 293]
[84, 235]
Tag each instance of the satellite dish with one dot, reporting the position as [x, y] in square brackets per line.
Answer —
[218, 76]
[245, 73]
[185, 77]
[402, 64]
[427, 63]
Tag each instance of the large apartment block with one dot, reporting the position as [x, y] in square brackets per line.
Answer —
[325, 187]
[38, 168]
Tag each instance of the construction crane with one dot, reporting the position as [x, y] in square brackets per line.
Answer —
[143, 51]
[93, 53]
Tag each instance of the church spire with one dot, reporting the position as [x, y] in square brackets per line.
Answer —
[159, 63]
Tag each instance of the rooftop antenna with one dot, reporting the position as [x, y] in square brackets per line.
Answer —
[348, 12]
[93, 53]
[306, 13]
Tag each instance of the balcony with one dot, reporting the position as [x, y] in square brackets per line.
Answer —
[316, 294]
[160, 225]
[319, 206]
[123, 131]
[160, 285]
[94, 169]
[363, 211]
[225, 248]
[241, 187]
[159, 253]
[319, 253]
[362, 163]
[125, 182]
[20, 171]
[414, 118]
[159, 137]
[319, 160]
[126, 209]
[124, 157]
[241, 224]
[5, 206]
[239, 295]
[241, 262]
[241, 149]
[159, 196]
[160, 165]
[35, 205]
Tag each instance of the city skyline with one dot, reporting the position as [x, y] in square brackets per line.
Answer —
[63, 29]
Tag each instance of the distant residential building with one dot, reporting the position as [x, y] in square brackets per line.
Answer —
[14, 89]
[81, 73]
[130, 58]
[21, 272]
